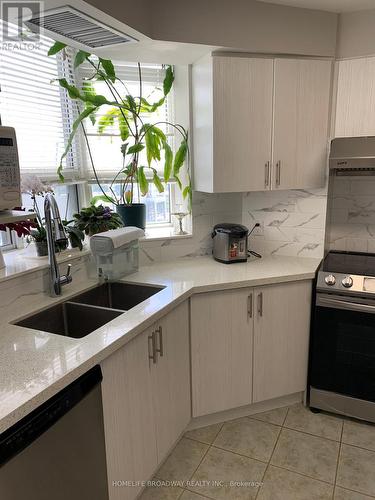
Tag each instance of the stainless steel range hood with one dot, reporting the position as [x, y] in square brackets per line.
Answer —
[352, 156]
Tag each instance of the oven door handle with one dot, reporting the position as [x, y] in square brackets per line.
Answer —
[342, 304]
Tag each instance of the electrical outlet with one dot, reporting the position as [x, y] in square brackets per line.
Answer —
[259, 230]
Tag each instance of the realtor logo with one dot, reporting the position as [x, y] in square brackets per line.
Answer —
[14, 15]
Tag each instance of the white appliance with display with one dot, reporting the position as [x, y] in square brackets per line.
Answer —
[10, 183]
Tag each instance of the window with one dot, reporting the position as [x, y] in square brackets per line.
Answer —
[106, 147]
[38, 109]
[43, 115]
[158, 205]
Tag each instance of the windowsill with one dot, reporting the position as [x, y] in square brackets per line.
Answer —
[24, 260]
[163, 233]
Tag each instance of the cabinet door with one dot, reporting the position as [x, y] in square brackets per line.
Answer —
[171, 378]
[281, 339]
[128, 417]
[301, 116]
[242, 122]
[221, 350]
[355, 104]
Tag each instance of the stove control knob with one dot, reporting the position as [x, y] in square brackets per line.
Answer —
[330, 280]
[347, 282]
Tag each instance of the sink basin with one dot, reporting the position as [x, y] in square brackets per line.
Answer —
[117, 295]
[89, 310]
[70, 319]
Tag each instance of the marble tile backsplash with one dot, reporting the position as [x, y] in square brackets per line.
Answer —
[352, 219]
[293, 221]
[207, 210]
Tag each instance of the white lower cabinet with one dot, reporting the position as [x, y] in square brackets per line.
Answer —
[146, 405]
[281, 339]
[221, 347]
[249, 345]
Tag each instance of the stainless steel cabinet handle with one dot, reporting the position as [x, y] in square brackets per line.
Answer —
[250, 306]
[278, 173]
[153, 354]
[260, 304]
[267, 174]
[159, 331]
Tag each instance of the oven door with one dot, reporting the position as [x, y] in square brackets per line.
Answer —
[343, 346]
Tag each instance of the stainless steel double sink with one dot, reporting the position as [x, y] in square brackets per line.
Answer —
[89, 310]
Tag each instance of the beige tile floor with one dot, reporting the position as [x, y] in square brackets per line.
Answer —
[284, 454]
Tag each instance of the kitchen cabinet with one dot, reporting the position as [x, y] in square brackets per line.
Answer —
[129, 424]
[221, 350]
[171, 378]
[300, 133]
[281, 339]
[248, 345]
[260, 123]
[146, 401]
[355, 103]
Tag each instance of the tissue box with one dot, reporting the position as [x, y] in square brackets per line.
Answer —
[116, 252]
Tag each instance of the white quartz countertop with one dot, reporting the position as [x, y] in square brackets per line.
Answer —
[35, 365]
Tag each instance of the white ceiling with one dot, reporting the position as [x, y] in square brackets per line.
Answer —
[330, 5]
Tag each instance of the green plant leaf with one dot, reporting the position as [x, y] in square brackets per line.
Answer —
[80, 58]
[108, 68]
[56, 47]
[186, 191]
[157, 104]
[73, 91]
[123, 126]
[180, 157]
[177, 179]
[136, 148]
[101, 197]
[124, 148]
[168, 154]
[158, 132]
[131, 103]
[96, 100]
[168, 80]
[142, 181]
[157, 181]
[153, 139]
[106, 120]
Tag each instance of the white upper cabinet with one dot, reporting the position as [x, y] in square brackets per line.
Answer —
[355, 104]
[301, 115]
[260, 123]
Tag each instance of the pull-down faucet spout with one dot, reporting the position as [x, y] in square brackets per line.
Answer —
[55, 234]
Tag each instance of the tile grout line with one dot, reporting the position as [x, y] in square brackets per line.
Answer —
[338, 460]
[269, 461]
[286, 415]
[303, 475]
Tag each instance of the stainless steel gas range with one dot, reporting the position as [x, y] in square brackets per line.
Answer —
[342, 352]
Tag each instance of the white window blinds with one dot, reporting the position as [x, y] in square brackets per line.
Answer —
[37, 108]
[106, 147]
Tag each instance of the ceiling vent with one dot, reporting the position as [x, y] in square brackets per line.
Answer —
[75, 28]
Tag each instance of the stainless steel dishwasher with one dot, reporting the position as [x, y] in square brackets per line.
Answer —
[58, 451]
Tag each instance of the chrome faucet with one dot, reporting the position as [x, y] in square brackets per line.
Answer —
[55, 234]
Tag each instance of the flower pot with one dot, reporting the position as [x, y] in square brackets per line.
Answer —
[133, 215]
[41, 248]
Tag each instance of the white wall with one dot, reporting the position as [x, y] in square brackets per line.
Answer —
[239, 24]
[356, 34]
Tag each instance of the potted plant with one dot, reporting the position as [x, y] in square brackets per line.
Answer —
[34, 187]
[129, 113]
[96, 219]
